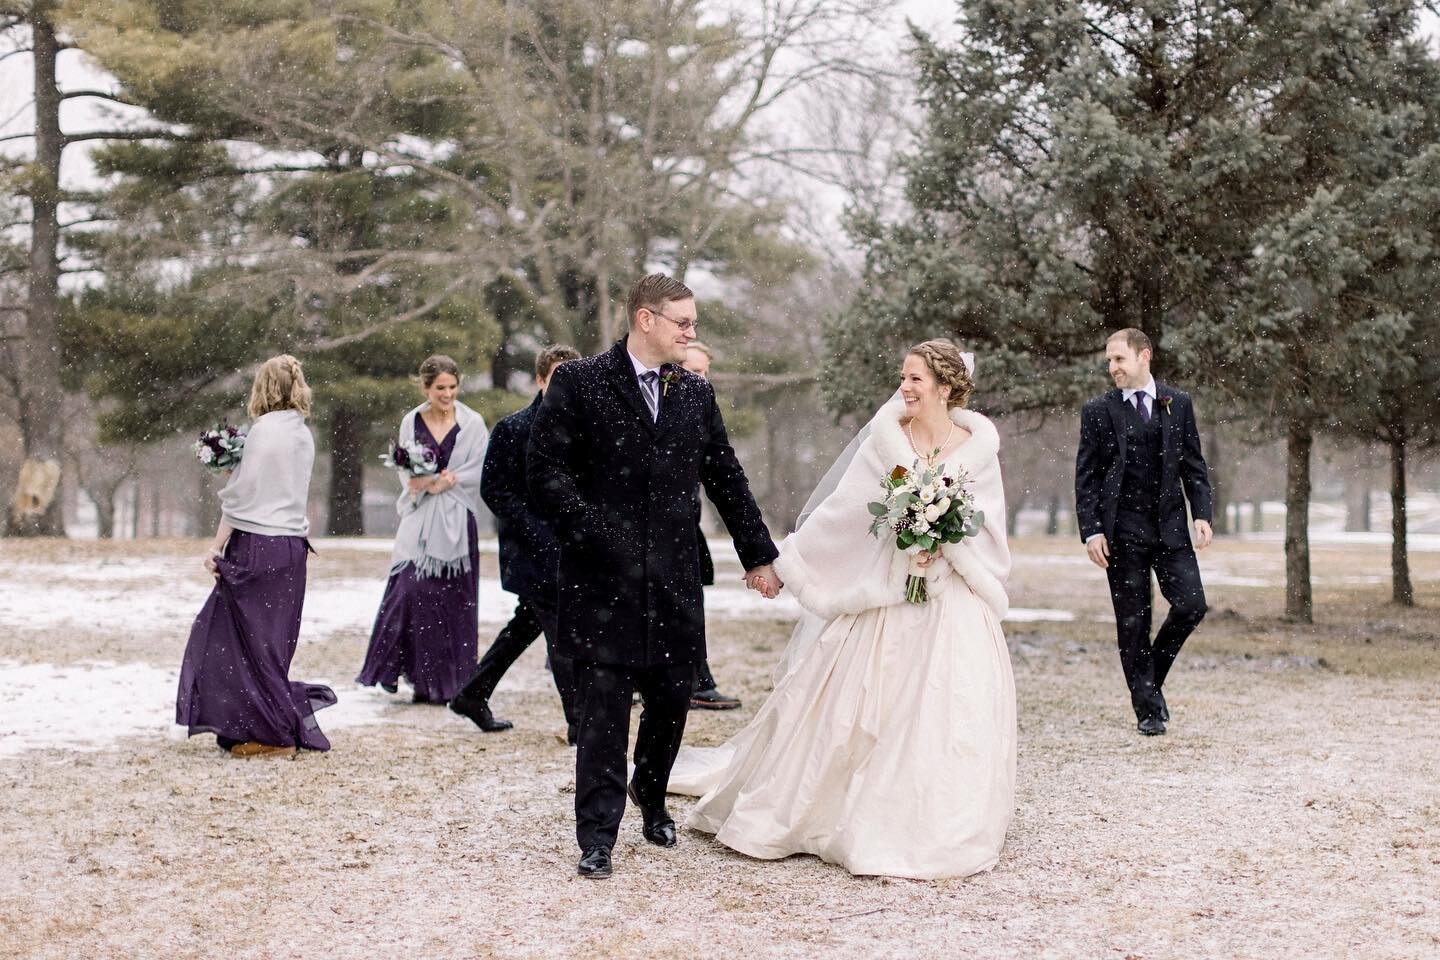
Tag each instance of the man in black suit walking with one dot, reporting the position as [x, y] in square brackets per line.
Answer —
[528, 558]
[1139, 461]
[618, 451]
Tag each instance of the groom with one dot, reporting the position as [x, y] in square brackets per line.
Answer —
[1139, 461]
[619, 448]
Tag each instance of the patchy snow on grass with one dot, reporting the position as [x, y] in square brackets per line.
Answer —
[82, 707]
[90, 705]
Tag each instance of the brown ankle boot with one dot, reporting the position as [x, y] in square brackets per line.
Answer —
[252, 750]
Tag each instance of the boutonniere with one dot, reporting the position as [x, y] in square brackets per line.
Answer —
[1165, 402]
[667, 377]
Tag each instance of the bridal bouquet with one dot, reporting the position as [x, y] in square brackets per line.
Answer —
[220, 448]
[925, 508]
[415, 458]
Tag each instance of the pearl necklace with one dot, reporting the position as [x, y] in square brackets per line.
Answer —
[929, 459]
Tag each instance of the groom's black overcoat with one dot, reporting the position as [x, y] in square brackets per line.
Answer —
[621, 492]
[1100, 466]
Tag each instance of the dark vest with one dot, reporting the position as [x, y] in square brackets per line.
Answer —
[1138, 515]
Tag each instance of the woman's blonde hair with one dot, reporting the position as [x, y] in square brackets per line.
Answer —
[948, 368]
[279, 385]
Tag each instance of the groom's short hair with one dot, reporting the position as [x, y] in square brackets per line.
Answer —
[551, 357]
[652, 291]
[1134, 338]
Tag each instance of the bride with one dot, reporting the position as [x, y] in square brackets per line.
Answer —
[888, 744]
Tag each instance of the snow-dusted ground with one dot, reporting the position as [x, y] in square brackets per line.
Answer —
[89, 705]
[1290, 812]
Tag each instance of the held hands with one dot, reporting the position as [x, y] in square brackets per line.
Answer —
[1203, 534]
[764, 579]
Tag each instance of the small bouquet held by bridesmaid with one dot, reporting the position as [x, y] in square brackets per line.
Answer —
[415, 458]
[925, 508]
[220, 448]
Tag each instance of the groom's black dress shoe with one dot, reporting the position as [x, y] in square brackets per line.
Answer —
[1151, 726]
[595, 865]
[479, 712]
[659, 826]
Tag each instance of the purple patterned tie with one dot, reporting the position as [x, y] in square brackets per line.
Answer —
[1140, 405]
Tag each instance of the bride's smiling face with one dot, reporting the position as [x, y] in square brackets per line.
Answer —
[919, 388]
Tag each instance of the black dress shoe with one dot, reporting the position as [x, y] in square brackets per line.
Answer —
[479, 712]
[659, 826]
[595, 865]
[1151, 726]
[390, 687]
[712, 699]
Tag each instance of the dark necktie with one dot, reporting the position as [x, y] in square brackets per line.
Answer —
[1140, 405]
[648, 386]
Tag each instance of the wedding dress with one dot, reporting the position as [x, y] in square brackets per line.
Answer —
[888, 743]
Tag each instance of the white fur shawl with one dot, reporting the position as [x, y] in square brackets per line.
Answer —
[833, 566]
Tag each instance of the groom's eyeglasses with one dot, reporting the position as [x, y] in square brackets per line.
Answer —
[686, 324]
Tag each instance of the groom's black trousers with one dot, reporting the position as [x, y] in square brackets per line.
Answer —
[602, 697]
[1147, 664]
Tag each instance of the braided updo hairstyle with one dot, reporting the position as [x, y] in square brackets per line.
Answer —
[279, 385]
[948, 368]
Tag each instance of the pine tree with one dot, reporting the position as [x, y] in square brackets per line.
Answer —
[1211, 172]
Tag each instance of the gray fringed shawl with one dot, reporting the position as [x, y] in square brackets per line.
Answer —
[434, 528]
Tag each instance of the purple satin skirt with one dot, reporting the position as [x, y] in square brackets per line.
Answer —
[235, 679]
[427, 631]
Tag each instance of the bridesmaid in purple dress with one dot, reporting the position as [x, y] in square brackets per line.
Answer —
[234, 681]
[428, 624]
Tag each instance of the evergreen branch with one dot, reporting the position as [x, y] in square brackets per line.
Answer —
[1140, 56]
[99, 94]
[429, 306]
[170, 135]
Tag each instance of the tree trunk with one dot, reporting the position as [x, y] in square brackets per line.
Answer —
[347, 488]
[1299, 602]
[1357, 494]
[104, 512]
[1402, 590]
[1219, 484]
[1052, 516]
[502, 363]
[37, 509]
[1257, 515]
[1013, 506]
[156, 506]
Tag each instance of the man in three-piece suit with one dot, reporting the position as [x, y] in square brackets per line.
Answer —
[619, 449]
[1139, 461]
[529, 554]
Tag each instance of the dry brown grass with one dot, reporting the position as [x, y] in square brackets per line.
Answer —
[1291, 812]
